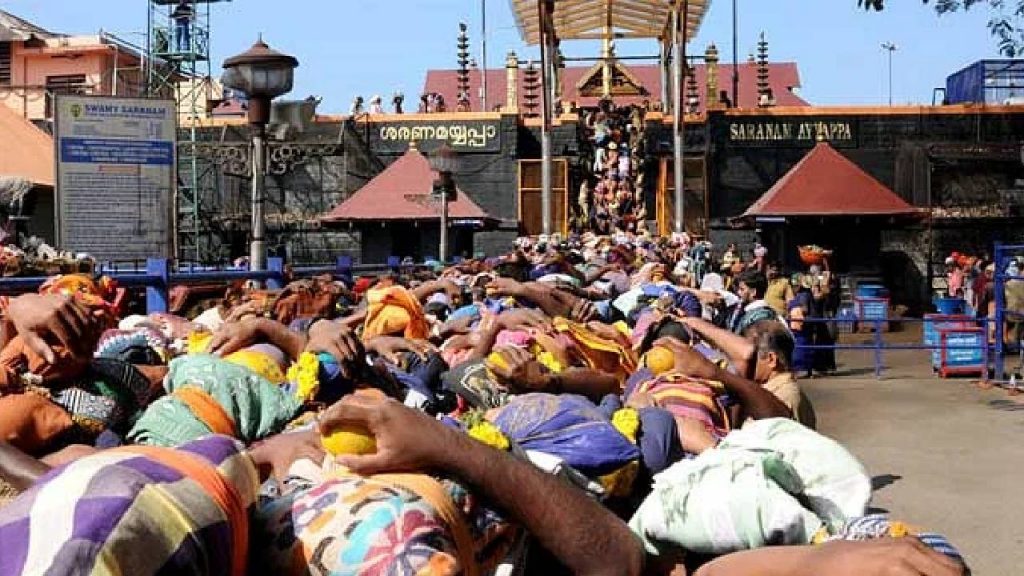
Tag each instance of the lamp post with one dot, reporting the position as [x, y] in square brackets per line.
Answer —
[446, 163]
[261, 74]
[890, 48]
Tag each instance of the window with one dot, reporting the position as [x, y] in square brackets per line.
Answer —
[67, 84]
[5, 63]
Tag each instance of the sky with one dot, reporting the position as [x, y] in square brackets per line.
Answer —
[367, 47]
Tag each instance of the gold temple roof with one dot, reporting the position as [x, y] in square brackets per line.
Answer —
[607, 19]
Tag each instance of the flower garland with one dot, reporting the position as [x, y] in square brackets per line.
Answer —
[627, 422]
[481, 430]
[198, 342]
[489, 434]
[304, 376]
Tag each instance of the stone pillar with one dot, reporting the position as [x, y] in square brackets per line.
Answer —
[512, 83]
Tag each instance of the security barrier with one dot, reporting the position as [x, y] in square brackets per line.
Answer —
[957, 347]
[160, 274]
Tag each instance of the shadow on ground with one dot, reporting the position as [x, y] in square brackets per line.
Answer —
[883, 480]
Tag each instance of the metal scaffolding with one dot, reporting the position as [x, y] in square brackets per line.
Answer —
[178, 67]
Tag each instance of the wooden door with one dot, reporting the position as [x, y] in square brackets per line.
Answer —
[696, 208]
[530, 213]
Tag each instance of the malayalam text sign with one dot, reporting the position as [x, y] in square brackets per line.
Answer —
[116, 175]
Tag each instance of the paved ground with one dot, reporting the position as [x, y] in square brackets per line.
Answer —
[943, 454]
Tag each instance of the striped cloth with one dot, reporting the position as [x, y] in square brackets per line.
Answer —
[687, 397]
[136, 510]
[876, 526]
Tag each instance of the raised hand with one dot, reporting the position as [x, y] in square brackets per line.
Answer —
[43, 319]
[407, 440]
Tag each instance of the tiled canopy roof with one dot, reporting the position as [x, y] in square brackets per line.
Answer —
[25, 151]
[783, 78]
[402, 192]
[826, 183]
[589, 19]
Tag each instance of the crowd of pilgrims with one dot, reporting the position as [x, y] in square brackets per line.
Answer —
[611, 196]
[594, 405]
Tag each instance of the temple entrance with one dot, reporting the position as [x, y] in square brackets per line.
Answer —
[530, 207]
[695, 180]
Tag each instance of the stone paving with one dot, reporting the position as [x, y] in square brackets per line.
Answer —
[944, 454]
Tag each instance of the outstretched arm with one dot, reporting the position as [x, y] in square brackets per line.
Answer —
[19, 469]
[866, 558]
[757, 402]
[582, 534]
[740, 350]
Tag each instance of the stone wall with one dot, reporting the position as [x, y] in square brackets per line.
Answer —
[749, 153]
[295, 200]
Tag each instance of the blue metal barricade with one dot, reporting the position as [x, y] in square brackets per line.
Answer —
[158, 275]
[956, 353]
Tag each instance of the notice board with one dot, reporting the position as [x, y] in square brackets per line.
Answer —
[116, 176]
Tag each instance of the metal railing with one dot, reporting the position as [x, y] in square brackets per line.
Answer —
[941, 350]
[159, 275]
[1000, 278]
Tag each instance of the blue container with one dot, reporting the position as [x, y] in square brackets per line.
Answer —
[950, 306]
[846, 319]
[933, 323]
[871, 291]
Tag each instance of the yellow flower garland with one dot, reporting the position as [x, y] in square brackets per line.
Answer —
[304, 374]
[627, 422]
[489, 434]
[198, 342]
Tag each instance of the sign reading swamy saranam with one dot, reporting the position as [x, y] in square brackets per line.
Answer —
[116, 176]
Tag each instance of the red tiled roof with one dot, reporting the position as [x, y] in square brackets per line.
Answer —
[401, 192]
[783, 77]
[231, 107]
[826, 183]
[25, 151]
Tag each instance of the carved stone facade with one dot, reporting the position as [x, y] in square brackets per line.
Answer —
[311, 174]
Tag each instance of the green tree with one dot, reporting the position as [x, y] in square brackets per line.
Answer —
[1006, 23]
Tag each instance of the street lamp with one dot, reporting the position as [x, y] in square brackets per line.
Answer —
[890, 48]
[261, 74]
[446, 163]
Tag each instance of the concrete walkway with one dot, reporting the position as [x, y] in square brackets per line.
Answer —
[944, 454]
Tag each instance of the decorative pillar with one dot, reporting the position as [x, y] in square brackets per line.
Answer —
[462, 100]
[531, 82]
[608, 56]
[692, 93]
[763, 87]
[711, 79]
[512, 83]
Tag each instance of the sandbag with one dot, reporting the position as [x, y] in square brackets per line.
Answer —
[723, 501]
[836, 486]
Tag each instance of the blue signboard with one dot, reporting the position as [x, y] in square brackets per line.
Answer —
[113, 151]
[870, 309]
[116, 176]
[963, 349]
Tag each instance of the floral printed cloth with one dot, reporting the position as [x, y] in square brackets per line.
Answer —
[335, 523]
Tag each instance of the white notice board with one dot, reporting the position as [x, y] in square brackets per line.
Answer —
[116, 176]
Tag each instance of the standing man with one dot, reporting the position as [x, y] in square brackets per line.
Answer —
[182, 17]
[750, 286]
